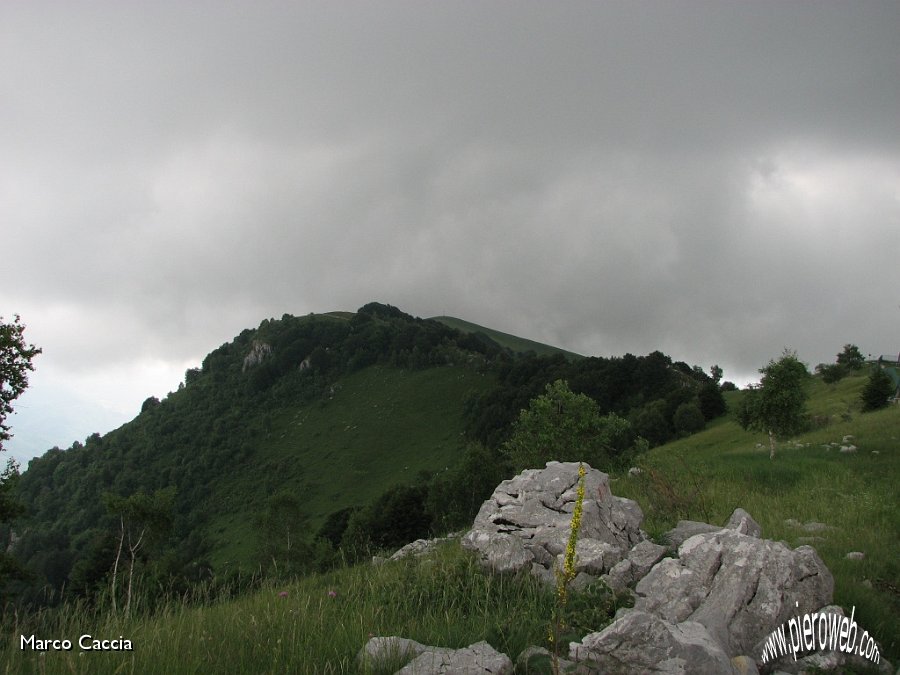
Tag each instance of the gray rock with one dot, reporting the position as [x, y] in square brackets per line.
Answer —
[640, 642]
[855, 555]
[380, 650]
[848, 448]
[743, 522]
[472, 660]
[527, 521]
[643, 557]
[684, 530]
[639, 561]
[744, 665]
[738, 586]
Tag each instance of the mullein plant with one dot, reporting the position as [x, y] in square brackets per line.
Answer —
[566, 574]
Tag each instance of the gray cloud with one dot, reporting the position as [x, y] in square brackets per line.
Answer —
[716, 181]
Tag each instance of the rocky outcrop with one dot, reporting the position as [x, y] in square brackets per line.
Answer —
[526, 522]
[738, 586]
[704, 604]
[475, 659]
[641, 642]
[259, 351]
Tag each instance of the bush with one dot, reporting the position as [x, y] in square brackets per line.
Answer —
[712, 403]
[688, 419]
[831, 373]
[877, 391]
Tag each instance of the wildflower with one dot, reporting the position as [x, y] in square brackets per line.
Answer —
[283, 594]
[332, 594]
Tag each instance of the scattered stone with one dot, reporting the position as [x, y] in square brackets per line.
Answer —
[472, 660]
[848, 438]
[848, 448]
[635, 471]
[810, 527]
[855, 555]
[867, 583]
[810, 540]
[379, 650]
[640, 642]
[876, 452]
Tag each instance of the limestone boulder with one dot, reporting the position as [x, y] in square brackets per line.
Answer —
[738, 586]
[641, 642]
[527, 521]
[476, 659]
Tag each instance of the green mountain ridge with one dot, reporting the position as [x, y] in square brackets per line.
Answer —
[320, 416]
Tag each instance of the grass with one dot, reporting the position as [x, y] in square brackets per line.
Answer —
[382, 426]
[706, 476]
[513, 342]
[449, 602]
[301, 627]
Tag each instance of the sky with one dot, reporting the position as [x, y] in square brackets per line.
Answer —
[716, 180]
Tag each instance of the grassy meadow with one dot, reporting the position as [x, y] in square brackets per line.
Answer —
[414, 418]
[317, 624]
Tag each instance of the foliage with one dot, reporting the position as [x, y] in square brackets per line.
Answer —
[15, 362]
[851, 358]
[563, 426]
[778, 405]
[650, 423]
[456, 494]
[878, 390]
[711, 401]
[688, 419]
[831, 372]
[396, 518]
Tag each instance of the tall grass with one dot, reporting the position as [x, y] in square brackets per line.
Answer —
[314, 625]
[706, 476]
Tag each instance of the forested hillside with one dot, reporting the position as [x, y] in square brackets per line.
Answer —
[313, 435]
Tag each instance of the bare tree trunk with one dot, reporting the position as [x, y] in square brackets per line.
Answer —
[133, 551]
[112, 586]
[771, 445]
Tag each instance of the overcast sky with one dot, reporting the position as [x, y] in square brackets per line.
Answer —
[717, 180]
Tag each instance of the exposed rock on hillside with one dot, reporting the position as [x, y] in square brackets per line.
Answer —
[258, 353]
[707, 610]
[525, 524]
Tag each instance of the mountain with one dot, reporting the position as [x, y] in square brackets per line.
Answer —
[308, 433]
[513, 343]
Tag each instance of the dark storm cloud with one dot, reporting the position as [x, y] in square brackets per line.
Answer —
[714, 180]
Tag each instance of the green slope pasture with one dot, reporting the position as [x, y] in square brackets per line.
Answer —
[706, 476]
[513, 342]
[380, 427]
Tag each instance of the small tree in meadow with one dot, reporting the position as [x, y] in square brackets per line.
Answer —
[877, 391]
[778, 405]
[567, 427]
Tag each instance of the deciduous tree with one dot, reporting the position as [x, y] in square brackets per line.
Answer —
[778, 405]
[563, 426]
[15, 362]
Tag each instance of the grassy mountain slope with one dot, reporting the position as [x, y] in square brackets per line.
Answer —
[302, 627]
[706, 476]
[514, 343]
[382, 426]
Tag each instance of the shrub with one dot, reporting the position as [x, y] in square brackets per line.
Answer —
[877, 391]
[688, 419]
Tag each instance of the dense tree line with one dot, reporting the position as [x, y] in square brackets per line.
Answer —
[209, 428]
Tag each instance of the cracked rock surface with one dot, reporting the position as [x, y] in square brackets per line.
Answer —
[526, 522]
